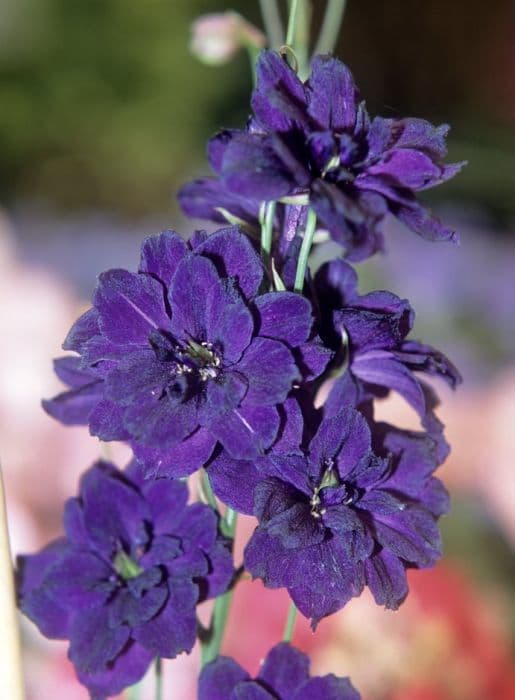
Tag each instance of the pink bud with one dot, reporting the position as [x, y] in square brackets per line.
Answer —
[217, 37]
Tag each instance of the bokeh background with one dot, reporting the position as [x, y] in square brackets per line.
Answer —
[104, 112]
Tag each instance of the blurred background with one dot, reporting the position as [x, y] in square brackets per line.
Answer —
[104, 113]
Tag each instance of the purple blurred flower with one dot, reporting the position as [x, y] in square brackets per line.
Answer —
[337, 515]
[123, 584]
[187, 352]
[316, 139]
[371, 331]
[283, 676]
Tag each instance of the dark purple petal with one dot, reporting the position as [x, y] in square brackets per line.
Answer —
[407, 168]
[173, 630]
[336, 283]
[50, 614]
[127, 669]
[167, 499]
[270, 370]
[328, 687]
[208, 198]
[233, 481]
[221, 570]
[233, 255]
[130, 306]
[343, 440]
[180, 459]
[217, 145]
[285, 669]
[279, 99]
[219, 678]
[161, 254]
[411, 535]
[247, 431]
[378, 367]
[74, 407]
[435, 497]
[93, 643]
[332, 94]
[422, 135]
[295, 527]
[84, 328]
[284, 316]
[421, 221]
[106, 421]
[292, 428]
[79, 580]
[252, 168]
[386, 578]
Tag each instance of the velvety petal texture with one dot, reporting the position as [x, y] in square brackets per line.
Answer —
[284, 675]
[353, 511]
[186, 353]
[124, 584]
[316, 140]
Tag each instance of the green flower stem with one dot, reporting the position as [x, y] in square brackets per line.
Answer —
[273, 23]
[290, 622]
[305, 249]
[206, 492]
[134, 692]
[159, 679]
[267, 228]
[295, 6]
[211, 647]
[330, 26]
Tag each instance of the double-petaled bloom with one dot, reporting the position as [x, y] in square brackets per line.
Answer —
[345, 510]
[187, 352]
[316, 142]
[123, 584]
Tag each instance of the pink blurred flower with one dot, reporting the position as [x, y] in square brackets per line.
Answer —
[217, 37]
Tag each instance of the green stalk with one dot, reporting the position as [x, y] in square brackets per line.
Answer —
[292, 22]
[290, 622]
[267, 228]
[159, 679]
[273, 23]
[305, 249]
[211, 648]
[331, 25]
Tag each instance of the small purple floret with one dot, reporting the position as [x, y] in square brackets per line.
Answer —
[124, 582]
[284, 675]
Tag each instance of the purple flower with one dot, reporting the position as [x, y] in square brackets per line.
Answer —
[371, 332]
[123, 584]
[284, 675]
[316, 139]
[337, 515]
[186, 352]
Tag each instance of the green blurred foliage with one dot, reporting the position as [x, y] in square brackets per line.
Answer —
[102, 105]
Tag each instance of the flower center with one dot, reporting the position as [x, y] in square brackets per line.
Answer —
[125, 566]
[331, 492]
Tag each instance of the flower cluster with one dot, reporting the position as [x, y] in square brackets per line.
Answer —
[211, 356]
[315, 142]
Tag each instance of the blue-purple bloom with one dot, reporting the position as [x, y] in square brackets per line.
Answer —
[187, 352]
[124, 582]
[371, 332]
[284, 675]
[316, 140]
[351, 508]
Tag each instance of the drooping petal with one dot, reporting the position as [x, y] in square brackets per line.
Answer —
[234, 480]
[386, 578]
